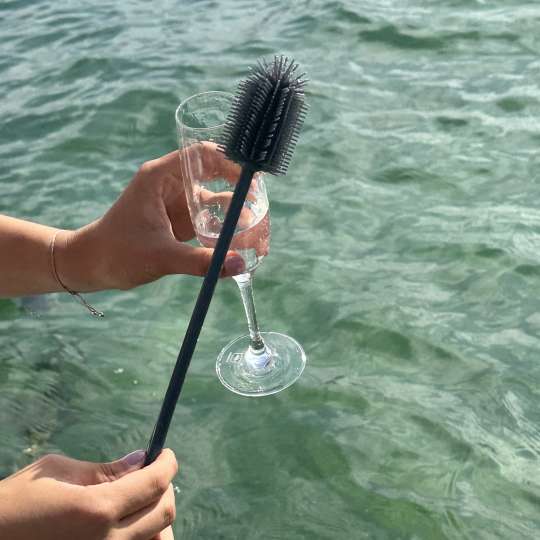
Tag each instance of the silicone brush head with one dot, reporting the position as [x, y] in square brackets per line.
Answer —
[266, 116]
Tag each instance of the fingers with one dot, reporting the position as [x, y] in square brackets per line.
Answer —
[165, 174]
[141, 488]
[180, 258]
[151, 520]
[216, 165]
[86, 473]
[166, 534]
[256, 237]
[223, 199]
[207, 197]
[204, 161]
[167, 165]
[108, 472]
[180, 219]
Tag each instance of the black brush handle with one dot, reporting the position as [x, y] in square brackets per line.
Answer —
[157, 440]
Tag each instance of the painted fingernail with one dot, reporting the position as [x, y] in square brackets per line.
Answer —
[135, 458]
[234, 265]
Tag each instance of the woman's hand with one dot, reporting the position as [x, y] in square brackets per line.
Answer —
[58, 498]
[142, 237]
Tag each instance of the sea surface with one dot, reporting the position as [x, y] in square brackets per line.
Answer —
[405, 257]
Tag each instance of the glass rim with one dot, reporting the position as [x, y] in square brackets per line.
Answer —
[181, 124]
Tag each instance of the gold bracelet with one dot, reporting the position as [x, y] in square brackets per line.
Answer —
[79, 297]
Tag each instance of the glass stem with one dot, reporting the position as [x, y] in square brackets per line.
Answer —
[256, 345]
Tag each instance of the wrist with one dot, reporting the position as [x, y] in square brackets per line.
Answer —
[76, 260]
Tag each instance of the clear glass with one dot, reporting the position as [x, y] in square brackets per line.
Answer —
[259, 363]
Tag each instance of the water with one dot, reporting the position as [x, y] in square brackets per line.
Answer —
[404, 258]
[208, 204]
[251, 242]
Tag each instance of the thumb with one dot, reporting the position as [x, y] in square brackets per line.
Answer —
[180, 258]
[108, 472]
[166, 534]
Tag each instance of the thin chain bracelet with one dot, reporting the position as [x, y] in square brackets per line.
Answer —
[75, 294]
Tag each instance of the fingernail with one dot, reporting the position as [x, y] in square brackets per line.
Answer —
[135, 458]
[234, 265]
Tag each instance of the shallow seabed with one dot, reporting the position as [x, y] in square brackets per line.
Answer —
[405, 257]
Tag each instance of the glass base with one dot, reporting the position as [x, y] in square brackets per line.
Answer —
[260, 373]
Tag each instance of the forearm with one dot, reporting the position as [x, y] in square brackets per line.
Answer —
[26, 259]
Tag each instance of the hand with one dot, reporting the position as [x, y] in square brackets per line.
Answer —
[58, 498]
[141, 237]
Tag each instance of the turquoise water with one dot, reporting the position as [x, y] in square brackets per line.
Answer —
[405, 257]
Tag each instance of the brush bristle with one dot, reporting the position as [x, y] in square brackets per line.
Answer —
[266, 116]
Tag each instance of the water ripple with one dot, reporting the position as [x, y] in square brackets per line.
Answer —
[404, 258]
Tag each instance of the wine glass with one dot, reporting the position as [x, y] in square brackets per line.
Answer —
[258, 363]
